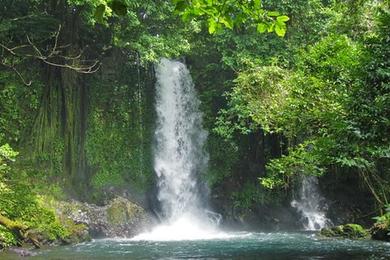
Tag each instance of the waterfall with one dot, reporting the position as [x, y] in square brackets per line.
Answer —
[311, 205]
[180, 138]
[179, 158]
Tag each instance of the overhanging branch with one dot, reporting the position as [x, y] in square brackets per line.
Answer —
[52, 58]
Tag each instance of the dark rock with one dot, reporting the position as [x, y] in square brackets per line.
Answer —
[380, 231]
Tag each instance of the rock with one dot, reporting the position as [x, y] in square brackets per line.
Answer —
[22, 251]
[126, 218]
[380, 231]
[78, 232]
[119, 218]
[351, 231]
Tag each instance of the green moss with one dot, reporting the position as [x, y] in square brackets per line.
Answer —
[355, 231]
[7, 238]
[121, 211]
[352, 231]
[75, 233]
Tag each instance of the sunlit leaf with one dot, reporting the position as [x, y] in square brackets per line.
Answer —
[280, 29]
[282, 18]
[273, 13]
[261, 27]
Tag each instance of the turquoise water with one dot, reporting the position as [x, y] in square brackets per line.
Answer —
[238, 246]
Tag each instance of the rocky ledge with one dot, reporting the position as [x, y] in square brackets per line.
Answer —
[119, 218]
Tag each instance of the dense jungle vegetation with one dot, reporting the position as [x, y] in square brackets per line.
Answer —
[288, 89]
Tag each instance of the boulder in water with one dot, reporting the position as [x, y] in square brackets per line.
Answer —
[351, 231]
[119, 218]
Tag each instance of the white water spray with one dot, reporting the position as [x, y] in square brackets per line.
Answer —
[311, 205]
[180, 158]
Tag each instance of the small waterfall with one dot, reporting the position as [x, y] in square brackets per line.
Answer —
[311, 205]
[180, 158]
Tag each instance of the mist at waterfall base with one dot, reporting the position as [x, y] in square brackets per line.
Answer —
[179, 159]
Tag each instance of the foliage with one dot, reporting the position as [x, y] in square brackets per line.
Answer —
[381, 228]
[232, 14]
[222, 161]
[18, 202]
[17, 104]
[328, 102]
[385, 217]
[118, 140]
[251, 195]
[311, 103]
[305, 159]
[228, 14]
[7, 238]
[146, 27]
[256, 95]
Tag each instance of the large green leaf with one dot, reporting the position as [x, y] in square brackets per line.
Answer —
[280, 29]
[261, 27]
[282, 18]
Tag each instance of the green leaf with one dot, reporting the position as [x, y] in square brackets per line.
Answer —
[282, 18]
[228, 22]
[119, 7]
[271, 28]
[186, 16]
[280, 29]
[212, 26]
[273, 13]
[261, 27]
[99, 13]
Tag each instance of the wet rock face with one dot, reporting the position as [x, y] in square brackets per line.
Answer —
[119, 218]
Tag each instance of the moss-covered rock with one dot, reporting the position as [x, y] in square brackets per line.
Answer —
[380, 231]
[70, 222]
[76, 233]
[120, 217]
[121, 211]
[351, 231]
[125, 218]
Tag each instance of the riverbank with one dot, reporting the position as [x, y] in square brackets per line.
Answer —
[73, 222]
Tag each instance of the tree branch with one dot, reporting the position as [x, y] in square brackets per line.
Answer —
[55, 51]
[17, 73]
